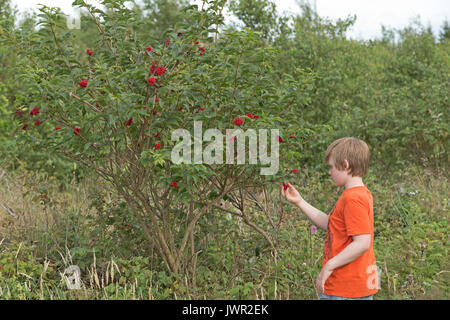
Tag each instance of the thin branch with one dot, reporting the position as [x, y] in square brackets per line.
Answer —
[85, 102]
[59, 48]
[251, 224]
[9, 211]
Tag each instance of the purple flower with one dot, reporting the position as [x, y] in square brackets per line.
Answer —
[313, 229]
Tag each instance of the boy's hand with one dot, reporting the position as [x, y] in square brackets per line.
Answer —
[322, 278]
[290, 194]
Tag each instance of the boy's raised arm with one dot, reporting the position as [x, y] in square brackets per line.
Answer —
[317, 217]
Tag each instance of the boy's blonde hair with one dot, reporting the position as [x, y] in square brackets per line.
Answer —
[354, 150]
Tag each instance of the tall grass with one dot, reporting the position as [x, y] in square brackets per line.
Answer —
[44, 230]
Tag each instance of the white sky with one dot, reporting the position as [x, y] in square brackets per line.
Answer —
[371, 14]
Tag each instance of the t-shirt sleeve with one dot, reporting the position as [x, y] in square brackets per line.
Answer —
[356, 216]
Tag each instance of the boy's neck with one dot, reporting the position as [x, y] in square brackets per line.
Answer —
[354, 182]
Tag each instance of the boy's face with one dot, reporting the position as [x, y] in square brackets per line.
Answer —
[339, 177]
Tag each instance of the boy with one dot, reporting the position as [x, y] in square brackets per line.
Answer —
[348, 264]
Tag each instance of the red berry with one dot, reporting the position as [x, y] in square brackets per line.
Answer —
[83, 83]
[151, 81]
[129, 122]
[153, 67]
[76, 131]
[238, 121]
[160, 71]
[34, 111]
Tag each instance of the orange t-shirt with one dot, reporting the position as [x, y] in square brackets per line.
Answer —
[351, 215]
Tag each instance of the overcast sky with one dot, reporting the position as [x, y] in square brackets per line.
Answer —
[370, 14]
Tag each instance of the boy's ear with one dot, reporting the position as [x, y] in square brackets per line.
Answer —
[347, 165]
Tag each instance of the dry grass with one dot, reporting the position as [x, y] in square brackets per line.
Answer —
[34, 206]
[37, 204]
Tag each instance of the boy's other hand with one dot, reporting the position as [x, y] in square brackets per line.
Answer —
[290, 194]
[322, 278]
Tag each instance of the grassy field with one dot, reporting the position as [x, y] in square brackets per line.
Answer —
[44, 229]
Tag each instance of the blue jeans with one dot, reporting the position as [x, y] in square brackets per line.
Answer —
[328, 297]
